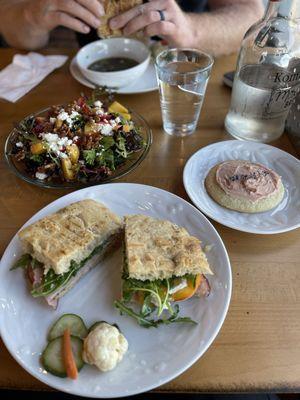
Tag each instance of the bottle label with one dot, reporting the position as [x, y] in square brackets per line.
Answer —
[266, 90]
[280, 100]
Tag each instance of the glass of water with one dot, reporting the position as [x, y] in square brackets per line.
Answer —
[182, 76]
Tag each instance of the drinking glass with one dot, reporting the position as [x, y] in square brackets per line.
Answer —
[182, 77]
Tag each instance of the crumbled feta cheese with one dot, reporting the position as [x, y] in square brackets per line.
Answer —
[118, 120]
[106, 130]
[52, 120]
[181, 285]
[99, 112]
[62, 115]
[113, 123]
[50, 137]
[57, 144]
[40, 175]
[64, 141]
[19, 144]
[74, 114]
[104, 347]
[98, 104]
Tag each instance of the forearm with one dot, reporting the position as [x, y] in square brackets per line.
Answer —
[221, 31]
[16, 29]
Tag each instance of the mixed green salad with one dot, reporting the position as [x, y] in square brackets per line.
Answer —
[84, 141]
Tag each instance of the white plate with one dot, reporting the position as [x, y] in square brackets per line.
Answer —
[146, 83]
[285, 217]
[153, 358]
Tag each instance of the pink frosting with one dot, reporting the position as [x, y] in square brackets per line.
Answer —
[247, 180]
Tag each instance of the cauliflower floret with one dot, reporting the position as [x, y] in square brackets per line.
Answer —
[104, 347]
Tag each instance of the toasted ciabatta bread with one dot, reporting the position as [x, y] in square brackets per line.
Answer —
[70, 234]
[113, 8]
[157, 249]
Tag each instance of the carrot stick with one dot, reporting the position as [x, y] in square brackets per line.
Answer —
[69, 361]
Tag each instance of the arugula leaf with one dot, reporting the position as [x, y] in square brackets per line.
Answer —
[107, 142]
[30, 137]
[108, 159]
[156, 298]
[23, 262]
[52, 281]
[77, 122]
[121, 146]
[126, 310]
[148, 307]
[148, 323]
[37, 158]
[89, 156]
[27, 124]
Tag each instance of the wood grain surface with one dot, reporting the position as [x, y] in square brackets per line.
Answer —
[258, 347]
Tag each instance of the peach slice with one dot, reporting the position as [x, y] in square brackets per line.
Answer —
[189, 290]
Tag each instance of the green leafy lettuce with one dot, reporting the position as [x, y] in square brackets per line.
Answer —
[155, 302]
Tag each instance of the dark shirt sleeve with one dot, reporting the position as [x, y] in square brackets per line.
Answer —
[193, 5]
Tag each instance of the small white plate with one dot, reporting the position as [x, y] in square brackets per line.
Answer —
[146, 83]
[285, 217]
[153, 357]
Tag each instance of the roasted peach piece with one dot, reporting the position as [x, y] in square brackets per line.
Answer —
[189, 290]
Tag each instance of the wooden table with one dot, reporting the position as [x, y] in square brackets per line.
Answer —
[258, 348]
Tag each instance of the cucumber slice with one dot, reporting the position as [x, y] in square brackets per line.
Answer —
[71, 321]
[52, 357]
[100, 322]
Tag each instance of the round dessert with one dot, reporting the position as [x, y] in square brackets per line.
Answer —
[244, 186]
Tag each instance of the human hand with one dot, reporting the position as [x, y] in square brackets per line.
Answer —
[175, 28]
[78, 15]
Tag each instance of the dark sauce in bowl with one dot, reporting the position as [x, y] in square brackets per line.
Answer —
[112, 64]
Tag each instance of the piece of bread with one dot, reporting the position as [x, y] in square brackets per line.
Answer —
[71, 233]
[113, 8]
[238, 203]
[157, 249]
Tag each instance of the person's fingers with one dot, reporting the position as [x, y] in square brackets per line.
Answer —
[63, 19]
[73, 8]
[121, 20]
[94, 6]
[142, 21]
[164, 29]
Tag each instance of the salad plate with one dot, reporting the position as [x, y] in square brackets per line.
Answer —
[152, 358]
[78, 144]
[284, 217]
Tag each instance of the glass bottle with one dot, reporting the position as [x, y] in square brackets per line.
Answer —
[267, 77]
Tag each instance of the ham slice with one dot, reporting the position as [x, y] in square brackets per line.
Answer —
[35, 275]
[204, 288]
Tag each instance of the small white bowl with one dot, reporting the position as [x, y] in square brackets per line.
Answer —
[114, 47]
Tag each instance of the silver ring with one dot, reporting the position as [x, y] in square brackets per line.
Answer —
[162, 15]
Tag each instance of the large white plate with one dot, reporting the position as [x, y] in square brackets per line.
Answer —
[146, 83]
[153, 357]
[285, 217]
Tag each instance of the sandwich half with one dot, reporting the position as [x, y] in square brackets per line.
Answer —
[62, 247]
[163, 265]
[113, 8]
